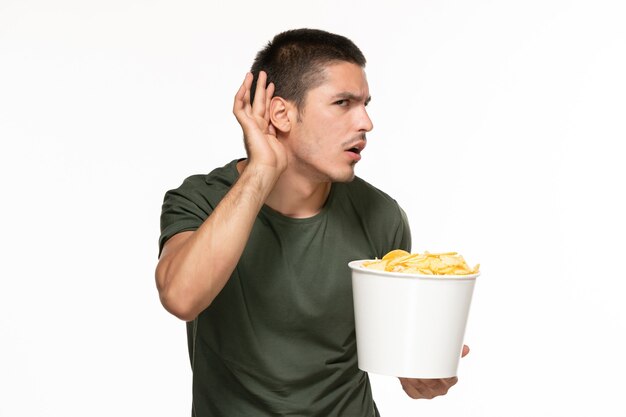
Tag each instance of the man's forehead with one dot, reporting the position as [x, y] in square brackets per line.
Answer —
[344, 78]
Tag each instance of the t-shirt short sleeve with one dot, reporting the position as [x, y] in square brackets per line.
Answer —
[403, 234]
[184, 209]
[188, 206]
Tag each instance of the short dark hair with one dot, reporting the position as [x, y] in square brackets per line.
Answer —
[294, 61]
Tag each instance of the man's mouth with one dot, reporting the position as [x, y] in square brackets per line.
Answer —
[357, 147]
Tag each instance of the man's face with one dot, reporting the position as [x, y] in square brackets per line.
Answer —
[327, 141]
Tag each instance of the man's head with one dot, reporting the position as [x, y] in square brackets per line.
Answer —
[294, 61]
[318, 108]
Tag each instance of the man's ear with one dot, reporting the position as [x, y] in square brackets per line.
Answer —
[282, 113]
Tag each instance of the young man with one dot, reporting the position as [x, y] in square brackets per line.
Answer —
[254, 255]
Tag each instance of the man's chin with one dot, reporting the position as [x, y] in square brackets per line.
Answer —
[344, 177]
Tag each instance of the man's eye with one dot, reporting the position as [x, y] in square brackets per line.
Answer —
[342, 103]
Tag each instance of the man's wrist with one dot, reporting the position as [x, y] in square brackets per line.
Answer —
[258, 180]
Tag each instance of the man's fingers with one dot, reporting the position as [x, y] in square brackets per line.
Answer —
[441, 386]
[427, 388]
[271, 129]
[242, 98]
[449, 382]
[259, 105]
[269, 92]
[238, 102]
[465, 351]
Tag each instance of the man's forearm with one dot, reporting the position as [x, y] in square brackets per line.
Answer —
[194, 267]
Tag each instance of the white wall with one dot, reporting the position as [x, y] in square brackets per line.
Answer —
[497, 127]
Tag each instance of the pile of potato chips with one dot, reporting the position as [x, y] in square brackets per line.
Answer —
[446, 263]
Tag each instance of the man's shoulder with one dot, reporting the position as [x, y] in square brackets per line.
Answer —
[221, 178]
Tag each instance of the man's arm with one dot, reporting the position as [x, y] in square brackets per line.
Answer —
[194, 266]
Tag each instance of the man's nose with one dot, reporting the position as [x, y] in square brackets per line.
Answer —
[365, 123]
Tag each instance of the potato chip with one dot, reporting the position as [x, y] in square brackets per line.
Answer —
[396, 253]
[443, 263]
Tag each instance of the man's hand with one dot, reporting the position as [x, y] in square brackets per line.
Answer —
[194, 266]
[262, 146]
[429, 388]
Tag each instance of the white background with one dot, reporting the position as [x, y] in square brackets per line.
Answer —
[497, 128]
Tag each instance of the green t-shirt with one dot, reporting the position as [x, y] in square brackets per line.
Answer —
[279, 339]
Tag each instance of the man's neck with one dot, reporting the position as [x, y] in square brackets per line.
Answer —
[295, 195]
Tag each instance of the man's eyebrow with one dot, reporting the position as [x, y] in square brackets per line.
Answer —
[351, 96]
